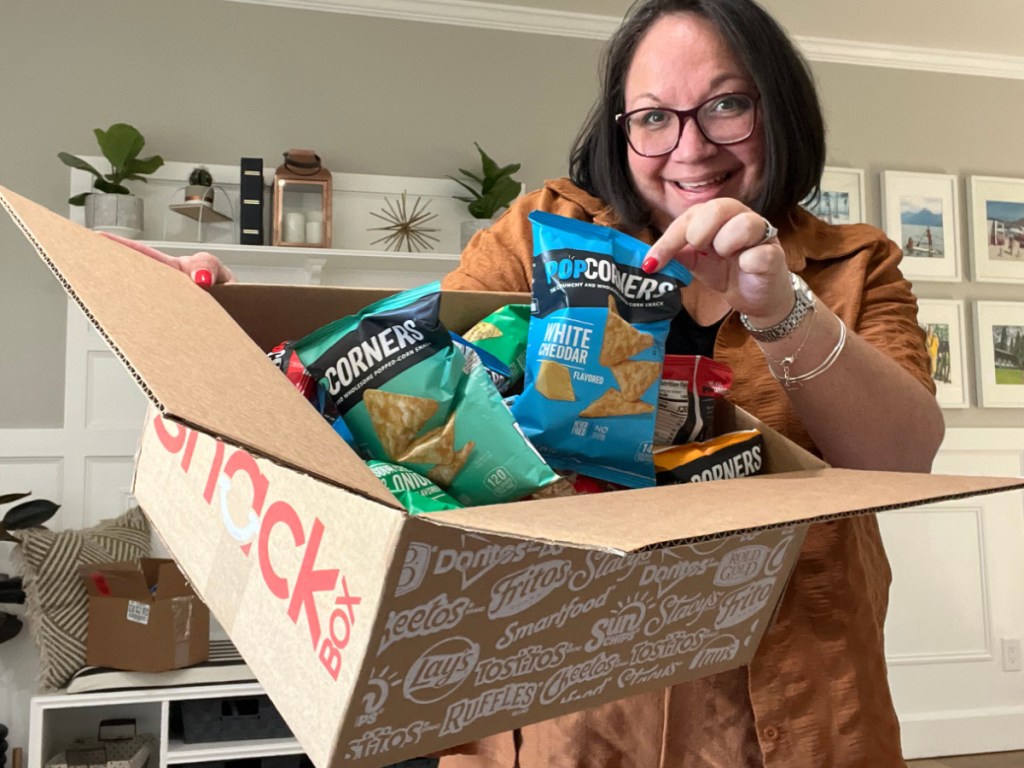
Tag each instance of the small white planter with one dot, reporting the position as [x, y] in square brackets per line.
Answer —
[469, 228]
[117, 214]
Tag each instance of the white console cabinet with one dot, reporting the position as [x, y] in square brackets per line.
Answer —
[56, 720]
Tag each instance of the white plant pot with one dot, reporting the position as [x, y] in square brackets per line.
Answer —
[469, 228]
[117, 214]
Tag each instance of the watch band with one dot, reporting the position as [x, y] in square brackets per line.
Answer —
[803, 304]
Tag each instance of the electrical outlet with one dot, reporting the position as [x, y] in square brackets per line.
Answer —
[1012, 661]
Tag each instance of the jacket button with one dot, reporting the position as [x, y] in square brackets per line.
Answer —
[771, 733]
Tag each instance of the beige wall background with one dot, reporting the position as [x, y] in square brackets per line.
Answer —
[212, 81]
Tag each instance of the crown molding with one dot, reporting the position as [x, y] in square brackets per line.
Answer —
[939, 60]
[589, 26]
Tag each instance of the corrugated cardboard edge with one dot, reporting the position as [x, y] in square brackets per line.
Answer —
[320, 455]
[73, 294]
[699, 512]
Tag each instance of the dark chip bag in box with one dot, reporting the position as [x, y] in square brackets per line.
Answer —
[595, 350]
[734, 454]
[400, 385]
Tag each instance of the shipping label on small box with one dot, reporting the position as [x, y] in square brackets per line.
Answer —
[137, 612]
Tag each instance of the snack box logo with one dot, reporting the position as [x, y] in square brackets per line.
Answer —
[329, 633]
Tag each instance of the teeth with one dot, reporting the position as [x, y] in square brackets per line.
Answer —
[701, 184]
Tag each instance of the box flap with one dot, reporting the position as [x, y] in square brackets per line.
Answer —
[628, 521]
[165, 579]
[138, 306]
[120, 579]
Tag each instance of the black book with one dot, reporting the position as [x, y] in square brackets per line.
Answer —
[251, 202]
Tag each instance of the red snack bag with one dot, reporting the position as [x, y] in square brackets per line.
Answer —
[284, 357]
[686, 398]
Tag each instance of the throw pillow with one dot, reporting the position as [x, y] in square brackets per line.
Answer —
[56, 603]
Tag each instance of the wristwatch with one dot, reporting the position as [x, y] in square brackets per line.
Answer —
[804, 303]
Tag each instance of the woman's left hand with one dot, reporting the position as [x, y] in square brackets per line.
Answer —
[203, 267]
[734, 251]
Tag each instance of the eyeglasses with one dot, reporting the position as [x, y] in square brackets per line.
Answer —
[724, 119]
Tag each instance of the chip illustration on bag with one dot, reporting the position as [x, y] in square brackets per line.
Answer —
[554, 381]
[595, 349]
[621, 340]
[403, 388]
[396, 419]
[635, 377]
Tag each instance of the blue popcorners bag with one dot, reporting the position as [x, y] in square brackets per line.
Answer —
[595, 350]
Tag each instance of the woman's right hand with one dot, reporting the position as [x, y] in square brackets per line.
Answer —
[204, 268]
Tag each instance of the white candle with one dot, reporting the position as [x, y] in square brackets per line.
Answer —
[314, 232]
[294, 228]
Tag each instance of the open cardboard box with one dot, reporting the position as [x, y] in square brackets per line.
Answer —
[143, 616]
[381, 636]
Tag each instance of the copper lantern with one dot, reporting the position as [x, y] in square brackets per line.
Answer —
[302, 201]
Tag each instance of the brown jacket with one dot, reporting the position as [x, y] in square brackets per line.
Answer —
[816, 693]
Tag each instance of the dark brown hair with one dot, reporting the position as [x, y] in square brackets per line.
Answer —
[794, 129]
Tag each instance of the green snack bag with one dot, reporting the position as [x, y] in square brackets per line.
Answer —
[413, 491]
[401, 386]
[504, 334]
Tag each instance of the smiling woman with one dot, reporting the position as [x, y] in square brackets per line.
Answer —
[706, 136]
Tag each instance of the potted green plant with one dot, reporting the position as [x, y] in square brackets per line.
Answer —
[200, 186]
[112, 206]
[492, 188]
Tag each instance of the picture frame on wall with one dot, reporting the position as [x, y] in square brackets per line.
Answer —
[999, 326]
[943, 323]
[996, 225]
[919, 213]
[842, 196]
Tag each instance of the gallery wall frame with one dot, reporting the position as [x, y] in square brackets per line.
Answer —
[920, 212]
[842, 196]
[995, 220]
[999, 331]
[943, 324]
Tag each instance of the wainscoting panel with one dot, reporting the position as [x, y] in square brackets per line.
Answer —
[958, 572]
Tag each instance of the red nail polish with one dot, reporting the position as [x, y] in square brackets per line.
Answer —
[203, 277]
[650, 264]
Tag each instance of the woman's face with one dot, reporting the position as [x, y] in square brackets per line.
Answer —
[680, 63]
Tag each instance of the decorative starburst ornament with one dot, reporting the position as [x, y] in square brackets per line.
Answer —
[405, 227]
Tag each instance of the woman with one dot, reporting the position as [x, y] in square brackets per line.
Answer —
[706, 136]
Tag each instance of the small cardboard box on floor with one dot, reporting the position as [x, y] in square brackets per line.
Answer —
[143, 617]
[380, 636]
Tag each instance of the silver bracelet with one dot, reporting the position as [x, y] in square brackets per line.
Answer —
[791, 383]
[786, 362]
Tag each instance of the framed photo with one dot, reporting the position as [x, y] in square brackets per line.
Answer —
[919, 212]
[943, 324]
[842, 196]
[1000, 329]
[996, 225]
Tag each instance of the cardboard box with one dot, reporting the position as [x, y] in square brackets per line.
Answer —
[380, 636]
[144, 617]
